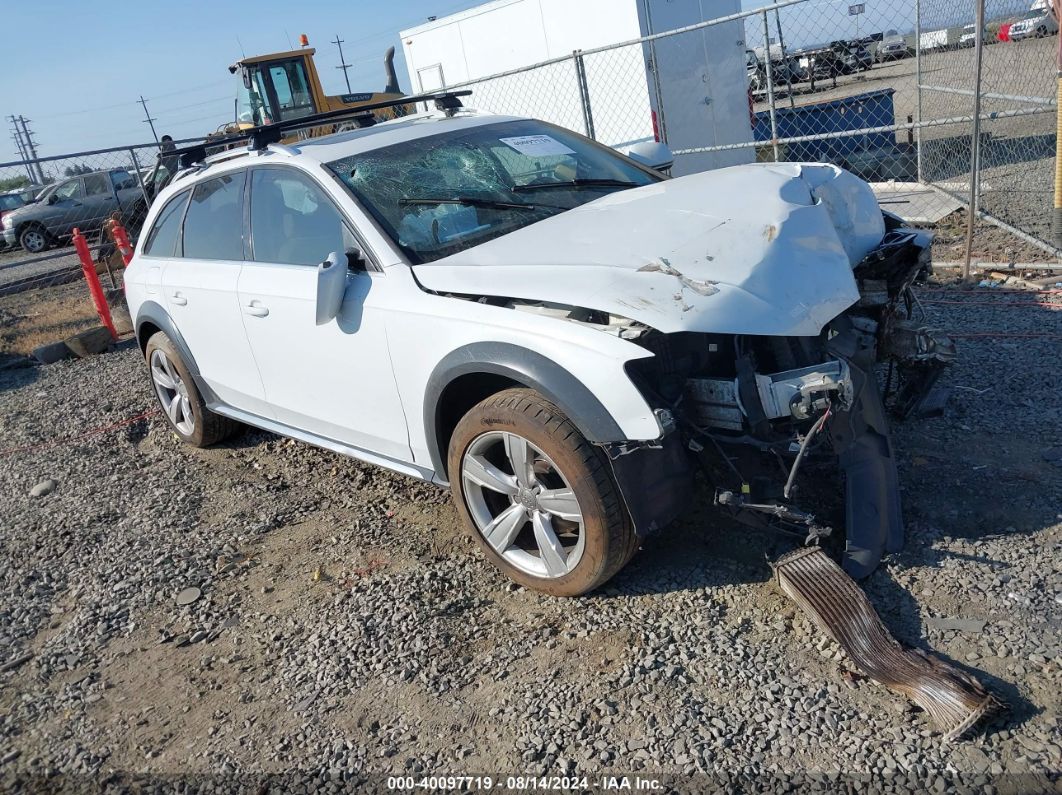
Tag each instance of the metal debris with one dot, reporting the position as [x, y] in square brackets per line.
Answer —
[954, 700]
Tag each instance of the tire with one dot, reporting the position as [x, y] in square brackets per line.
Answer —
[179, 398]
[580, 553]
[34, 239]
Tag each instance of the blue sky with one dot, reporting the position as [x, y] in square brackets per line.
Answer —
[76, 69]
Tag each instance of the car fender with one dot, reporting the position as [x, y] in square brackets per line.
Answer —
[524, 366]
[151, 312]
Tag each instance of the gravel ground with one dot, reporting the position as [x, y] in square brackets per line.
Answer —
[347, 629]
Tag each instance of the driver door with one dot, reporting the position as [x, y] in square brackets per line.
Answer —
[333, 380]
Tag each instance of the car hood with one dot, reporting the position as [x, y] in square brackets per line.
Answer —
[756, 249]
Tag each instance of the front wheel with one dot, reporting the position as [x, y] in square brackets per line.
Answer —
[33, 239]
[537, 496]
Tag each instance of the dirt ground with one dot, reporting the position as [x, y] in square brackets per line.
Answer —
[348, 629]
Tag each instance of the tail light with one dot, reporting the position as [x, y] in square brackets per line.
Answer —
[656, 127]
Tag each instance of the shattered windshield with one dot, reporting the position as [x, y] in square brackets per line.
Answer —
[444, 193]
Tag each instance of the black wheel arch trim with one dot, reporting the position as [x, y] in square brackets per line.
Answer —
[525, 367]
[156, 315]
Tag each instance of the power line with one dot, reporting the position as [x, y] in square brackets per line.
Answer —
[150, 121]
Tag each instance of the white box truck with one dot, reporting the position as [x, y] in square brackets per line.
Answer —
[689, 90]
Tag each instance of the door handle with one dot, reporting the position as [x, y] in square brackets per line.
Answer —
[179, 299]
[255, 309]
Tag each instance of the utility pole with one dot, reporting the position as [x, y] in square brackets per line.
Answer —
[31, 149]
[17, 138]
[147, 118]
[342, 63]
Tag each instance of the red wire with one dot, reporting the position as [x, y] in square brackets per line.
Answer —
[994, 303]
[71, 439]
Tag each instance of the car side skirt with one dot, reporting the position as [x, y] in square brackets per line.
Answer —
[323, 442]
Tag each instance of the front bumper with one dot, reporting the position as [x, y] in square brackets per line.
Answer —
[753, 408]
[9, 237]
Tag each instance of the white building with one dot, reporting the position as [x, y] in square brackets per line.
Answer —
[690, 89]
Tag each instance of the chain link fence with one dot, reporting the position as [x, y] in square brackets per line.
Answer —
[885, 90]
[43, 200]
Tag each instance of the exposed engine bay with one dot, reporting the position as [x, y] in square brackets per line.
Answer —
[753, 409]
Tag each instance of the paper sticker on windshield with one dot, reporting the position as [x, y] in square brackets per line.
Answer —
[537, 145]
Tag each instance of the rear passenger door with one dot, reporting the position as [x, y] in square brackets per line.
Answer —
[199, 288]
[333, 380]
[100, 200]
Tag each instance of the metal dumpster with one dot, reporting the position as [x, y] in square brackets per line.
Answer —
[871, 109]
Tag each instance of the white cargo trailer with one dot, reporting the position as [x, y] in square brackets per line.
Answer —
[690, 90]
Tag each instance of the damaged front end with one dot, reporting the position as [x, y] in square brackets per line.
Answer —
[754, 409]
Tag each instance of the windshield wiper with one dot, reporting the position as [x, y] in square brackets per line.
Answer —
[576, 183]
[473, 201]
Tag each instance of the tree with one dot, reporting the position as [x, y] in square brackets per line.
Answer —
[11, 183]
[75, 170]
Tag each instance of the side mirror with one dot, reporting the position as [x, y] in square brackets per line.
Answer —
[331, 285]
[52, 198]
[653, 154]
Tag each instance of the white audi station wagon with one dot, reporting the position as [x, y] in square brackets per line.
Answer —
[557, 332]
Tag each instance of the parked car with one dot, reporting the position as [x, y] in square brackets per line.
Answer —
[1034, 24]
[781, 72]
[547, 327]
[969, 36]
[84, 201]
[9, 201]
[891, 47]
[817, 64]
[853, 56]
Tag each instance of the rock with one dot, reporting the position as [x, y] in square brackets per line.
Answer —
[45, 487]
[89, 343]
[187, 596]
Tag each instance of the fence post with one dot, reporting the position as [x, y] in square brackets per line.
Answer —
[584, 93]
[99, 300]
[975, 143]
[139, 177]
[770, 84]
[918, 89]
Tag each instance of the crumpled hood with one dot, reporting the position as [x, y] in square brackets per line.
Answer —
[757, 249]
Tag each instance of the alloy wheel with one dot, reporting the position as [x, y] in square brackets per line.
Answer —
[522, 505]
[33, 241]
[172, 392]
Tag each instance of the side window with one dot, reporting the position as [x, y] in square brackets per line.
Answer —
[96, 185]
[69, 190]
[213, 227]
[162, 239]
[122, 180]
[292, 219]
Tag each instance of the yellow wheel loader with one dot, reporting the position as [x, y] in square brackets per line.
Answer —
[283, 86]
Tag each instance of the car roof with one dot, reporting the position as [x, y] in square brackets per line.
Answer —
[329, 148]
[353, 142]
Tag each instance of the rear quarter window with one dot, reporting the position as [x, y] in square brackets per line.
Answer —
[162, 239]
[213, 225]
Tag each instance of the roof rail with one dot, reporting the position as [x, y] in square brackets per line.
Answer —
[260, 137]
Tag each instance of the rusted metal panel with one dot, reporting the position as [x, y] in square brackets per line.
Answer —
[955, 701]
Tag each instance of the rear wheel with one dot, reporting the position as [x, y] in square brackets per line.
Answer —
[181, 402]
[34, 239]
[537, 496]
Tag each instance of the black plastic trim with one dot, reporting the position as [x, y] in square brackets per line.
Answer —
[525, 367]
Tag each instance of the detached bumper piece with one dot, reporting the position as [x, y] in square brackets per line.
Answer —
[955, 701]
